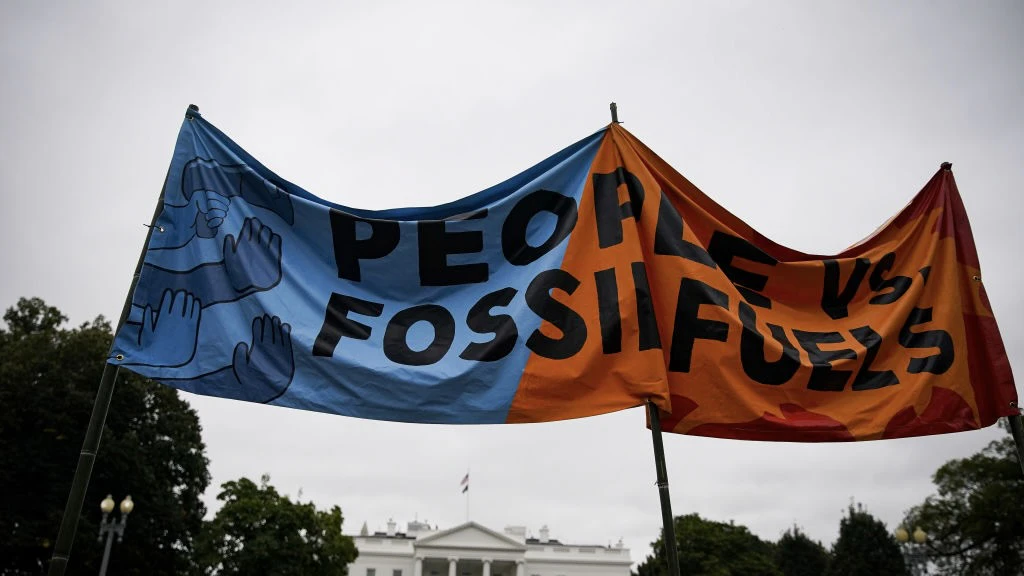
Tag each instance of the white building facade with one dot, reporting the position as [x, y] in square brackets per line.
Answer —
[474, 550]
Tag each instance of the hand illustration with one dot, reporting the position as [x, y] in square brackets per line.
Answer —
[253, 261]
[172, 328]
[264, 193]
[265, 370]
[211, 209]
[201, 175]
[181, 224]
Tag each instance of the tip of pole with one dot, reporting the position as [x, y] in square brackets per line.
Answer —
[193, 110]
[615, 113]
[946, 166]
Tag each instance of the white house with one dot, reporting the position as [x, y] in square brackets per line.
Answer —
[474, 550]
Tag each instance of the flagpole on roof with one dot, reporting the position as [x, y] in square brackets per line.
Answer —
[100, 408]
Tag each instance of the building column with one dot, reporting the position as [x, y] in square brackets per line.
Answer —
[487, 566]
[520, 567]
[453, 566]
[418, 568]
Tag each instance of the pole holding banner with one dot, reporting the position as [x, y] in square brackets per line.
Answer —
[668, 534]
[668, 523]
[1017, 430]
[100, 407]
[1016, 426]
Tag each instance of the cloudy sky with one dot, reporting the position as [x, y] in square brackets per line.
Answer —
[812, 122]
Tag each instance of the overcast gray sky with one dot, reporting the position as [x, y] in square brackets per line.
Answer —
[813, 121]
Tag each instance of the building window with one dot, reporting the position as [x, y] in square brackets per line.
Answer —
[396, 572]
[371, 572]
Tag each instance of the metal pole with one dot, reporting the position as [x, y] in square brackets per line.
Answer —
[87, 457]
[668, 534]
[66, 536]
[106, 553]
[1017, 430]
[111, 527]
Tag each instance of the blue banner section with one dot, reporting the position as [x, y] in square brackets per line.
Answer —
[254, 289]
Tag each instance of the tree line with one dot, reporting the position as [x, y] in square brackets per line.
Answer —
[974, 526]
[709, 548]
[153, 449]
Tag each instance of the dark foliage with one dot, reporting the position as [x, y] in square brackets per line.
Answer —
[151, 449]
[975, 524]
[259, 531]
[865, 547]
[708, 548]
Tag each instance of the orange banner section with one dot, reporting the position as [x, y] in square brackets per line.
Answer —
[620, 359]
[893, 337]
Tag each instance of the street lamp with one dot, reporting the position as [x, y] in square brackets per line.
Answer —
[110, 527]
[912, 547]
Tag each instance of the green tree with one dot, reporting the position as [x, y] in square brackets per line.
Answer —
[975, 524]
[865, 547]
[151, 449]
[708, 548]
[259, 531]
[798, 555]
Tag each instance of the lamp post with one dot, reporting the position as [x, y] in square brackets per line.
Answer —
[109, 527]
[912, 546]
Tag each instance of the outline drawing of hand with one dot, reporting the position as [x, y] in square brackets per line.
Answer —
[259, 191]
[201, 175]
[173, 328]
[253, 261]
[264, 370]
[230, 180]
[211, 209]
